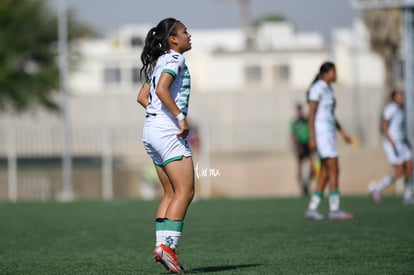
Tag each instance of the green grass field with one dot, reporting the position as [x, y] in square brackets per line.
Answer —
[266, 236]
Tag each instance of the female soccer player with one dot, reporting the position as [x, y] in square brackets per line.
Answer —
[397, 149]
[165, 96]
[323, 126]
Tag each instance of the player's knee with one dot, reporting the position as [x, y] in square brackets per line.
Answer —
[168, 195]
[186, 195]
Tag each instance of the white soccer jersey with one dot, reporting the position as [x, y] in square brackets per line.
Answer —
[322, 93]
[325, 122]
[396, 121]
[174, 64]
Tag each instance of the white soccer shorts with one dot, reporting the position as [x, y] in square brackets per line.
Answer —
[398, 155]
[326, 144]
[161, 142]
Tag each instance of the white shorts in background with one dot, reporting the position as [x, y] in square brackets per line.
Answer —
[398, 155]
[326, 145]
[161, 142]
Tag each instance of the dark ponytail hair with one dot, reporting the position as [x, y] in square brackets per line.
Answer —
[326, 67]
[156, 44]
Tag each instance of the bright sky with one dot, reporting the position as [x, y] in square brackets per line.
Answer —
[308, 15]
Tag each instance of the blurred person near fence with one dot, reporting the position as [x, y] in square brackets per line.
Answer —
[165, 97]
[397, 149]
[299, 132]
[194, 138]
[323, 126]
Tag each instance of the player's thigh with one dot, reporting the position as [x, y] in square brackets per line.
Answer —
[332, 164]
[181, 174]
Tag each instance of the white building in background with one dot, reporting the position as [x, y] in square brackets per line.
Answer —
[225, 78]
[243, 98]
[280, 59]
[358, 64]
[109, 65]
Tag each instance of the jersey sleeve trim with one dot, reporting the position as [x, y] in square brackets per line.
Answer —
[169, 71]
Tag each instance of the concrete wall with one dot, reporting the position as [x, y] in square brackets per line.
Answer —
[246, 135]
[249, 121]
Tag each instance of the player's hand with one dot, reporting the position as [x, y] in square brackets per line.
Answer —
[184, 128]
[347, 138]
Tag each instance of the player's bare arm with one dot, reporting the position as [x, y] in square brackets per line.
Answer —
[143, 95]
[347, 138]
[311, 121]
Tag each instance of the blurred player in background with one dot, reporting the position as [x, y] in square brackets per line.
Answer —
[323, 126]
[165, 97]
[397, 149]
[299, 130]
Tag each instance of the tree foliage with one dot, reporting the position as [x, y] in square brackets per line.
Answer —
[29, 71]
[270, 18]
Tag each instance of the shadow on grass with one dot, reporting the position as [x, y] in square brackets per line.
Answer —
[218, 268]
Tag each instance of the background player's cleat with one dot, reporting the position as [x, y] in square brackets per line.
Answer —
[168, 258]
[376, 196]
[313, 215]
[340, 215]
